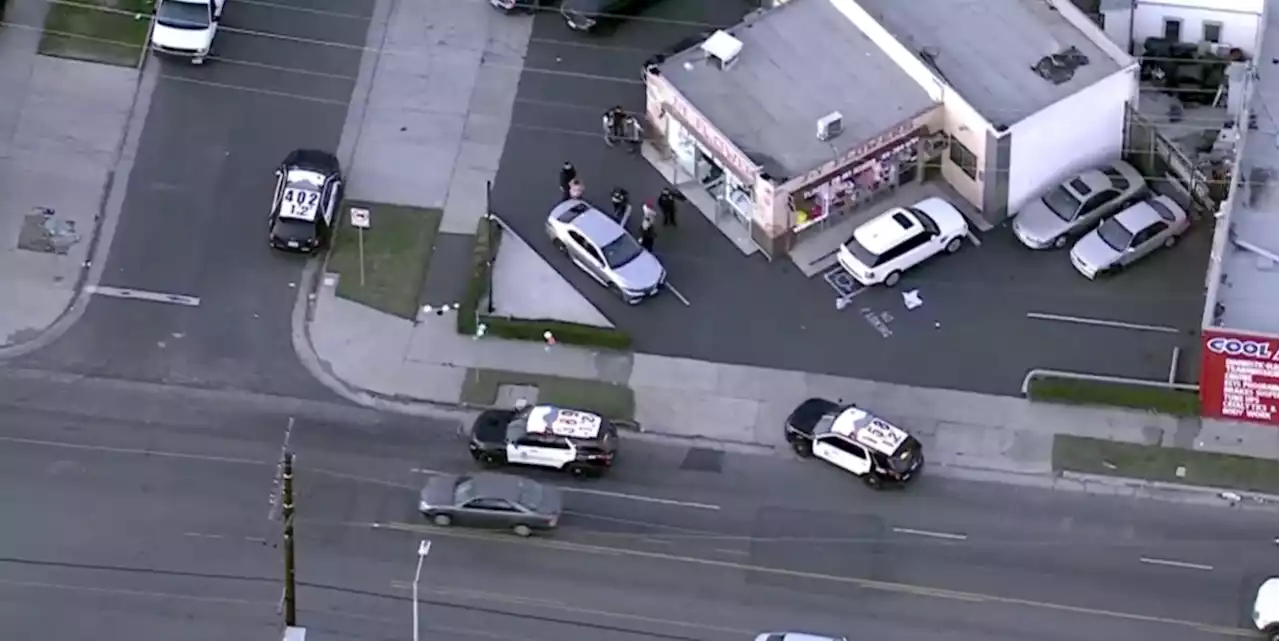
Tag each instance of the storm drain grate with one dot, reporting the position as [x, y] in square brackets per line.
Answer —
[701, 459]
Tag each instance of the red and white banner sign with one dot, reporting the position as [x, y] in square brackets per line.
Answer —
[1239, 377]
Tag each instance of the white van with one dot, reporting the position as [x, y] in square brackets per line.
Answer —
[185, 28]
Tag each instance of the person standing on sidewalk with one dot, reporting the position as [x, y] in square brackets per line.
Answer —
[568, 174]
[667, 205]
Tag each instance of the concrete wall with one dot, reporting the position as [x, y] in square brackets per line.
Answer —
[1241, 20]
[1082, 130]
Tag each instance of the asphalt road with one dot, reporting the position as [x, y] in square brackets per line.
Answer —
[152, 506]
[195, 211]
[748, 311]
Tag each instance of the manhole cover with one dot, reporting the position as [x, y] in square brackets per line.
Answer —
[701, 459]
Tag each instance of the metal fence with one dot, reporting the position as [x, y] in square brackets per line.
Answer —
[1156, 156]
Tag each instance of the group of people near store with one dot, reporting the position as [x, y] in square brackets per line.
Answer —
[665, 205]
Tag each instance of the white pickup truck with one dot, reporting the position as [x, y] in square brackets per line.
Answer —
[185, 28]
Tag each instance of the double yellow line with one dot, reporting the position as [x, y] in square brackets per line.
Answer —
[870, 584]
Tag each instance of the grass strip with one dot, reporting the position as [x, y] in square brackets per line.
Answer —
[111, 32]
[1073, 391]
[606, 399]
[1156, 463]
[397, 249]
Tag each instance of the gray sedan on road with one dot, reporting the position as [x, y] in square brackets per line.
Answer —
[490, 500]
[1130, 235]
[602, 248]
[1073, 206]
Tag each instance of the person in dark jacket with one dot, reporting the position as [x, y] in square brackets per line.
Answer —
[667, 205]
[568, 174]
[648, 233]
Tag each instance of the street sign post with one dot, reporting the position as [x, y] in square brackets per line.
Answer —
[360, 220]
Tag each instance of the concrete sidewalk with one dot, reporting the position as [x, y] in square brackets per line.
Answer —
[64, 163]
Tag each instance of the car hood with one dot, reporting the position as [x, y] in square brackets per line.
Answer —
[438, 491]
[1037, 223]
[1091, 251]
[949, 219]
[182, 39]
[641, 274]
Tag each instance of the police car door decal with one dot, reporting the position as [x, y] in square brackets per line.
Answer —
[828, 450]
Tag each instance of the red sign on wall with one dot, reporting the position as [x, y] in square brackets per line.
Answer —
[1239, 377]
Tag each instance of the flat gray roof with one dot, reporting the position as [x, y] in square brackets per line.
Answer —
[985, 49]
[799, 62]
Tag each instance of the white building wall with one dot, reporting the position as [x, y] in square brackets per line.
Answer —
[1240, 20]
[1059, 140]
[1118, 25]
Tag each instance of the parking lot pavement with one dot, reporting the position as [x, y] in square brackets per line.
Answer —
[972, 330]
[194, 219]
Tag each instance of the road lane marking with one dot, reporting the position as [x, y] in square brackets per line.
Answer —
[499, 597]
[1176, 564]
[138, 294]
[937, 535]
[617, 495]
[133, 451]
[733, 552]
[1080, 320]
[201, 535]
[672, 288]
[973, 239]
[870, 584]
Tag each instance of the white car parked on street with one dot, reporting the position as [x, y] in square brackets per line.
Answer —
[1266, 609]
[185, 28]
[897, 240]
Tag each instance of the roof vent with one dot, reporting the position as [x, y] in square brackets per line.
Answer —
[830, 126]
[1061, 67]
[722, 49]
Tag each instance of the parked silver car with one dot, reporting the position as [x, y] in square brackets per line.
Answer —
[491, 500]
[602, 248]
[1129, 235]
[1076, 204]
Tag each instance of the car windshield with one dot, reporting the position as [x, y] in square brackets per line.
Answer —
[621, 251]
[530, 494]
[1115, 235]
[824, 424]
[464, 491]
[183, 15]
[1061, 203]
[293, 229]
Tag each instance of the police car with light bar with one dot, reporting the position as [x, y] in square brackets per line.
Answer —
[578, 442]
[308, 190]
[855, 441]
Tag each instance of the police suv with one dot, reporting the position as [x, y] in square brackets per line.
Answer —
[308, 190]
[855, 441]
[578, 442]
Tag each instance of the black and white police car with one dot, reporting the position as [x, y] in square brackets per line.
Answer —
[856, 441]
[575, 441]
[308, 190]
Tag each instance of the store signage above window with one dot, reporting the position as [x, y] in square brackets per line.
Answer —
[724, 150]
[858, 152]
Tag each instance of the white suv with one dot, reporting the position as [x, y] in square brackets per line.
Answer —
[885, 246]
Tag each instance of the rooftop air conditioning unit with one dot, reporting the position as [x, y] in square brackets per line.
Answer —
[830, 126]
[722, 49]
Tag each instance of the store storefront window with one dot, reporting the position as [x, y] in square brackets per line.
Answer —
[739, 199]
[856, 185]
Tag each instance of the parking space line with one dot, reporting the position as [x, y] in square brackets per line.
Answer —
[1100, 322]
[671, 288]
[137, 294]
[974, 239]
[1176, 564]
[929, 533]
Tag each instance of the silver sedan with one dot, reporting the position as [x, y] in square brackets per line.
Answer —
[1129, 235]
[491, 500]
[602, 248]
[1076, 204]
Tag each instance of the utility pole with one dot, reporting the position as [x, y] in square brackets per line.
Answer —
[290, 586]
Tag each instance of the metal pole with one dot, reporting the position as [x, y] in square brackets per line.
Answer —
[360, 236]
[490, 223]
[290, 587]
[424, 547]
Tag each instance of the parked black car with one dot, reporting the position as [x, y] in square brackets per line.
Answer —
[591, 16]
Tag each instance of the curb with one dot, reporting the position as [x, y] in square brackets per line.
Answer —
[1171, 491]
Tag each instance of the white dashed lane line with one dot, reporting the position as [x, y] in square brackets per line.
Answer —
[1176, 564]
[950, 536]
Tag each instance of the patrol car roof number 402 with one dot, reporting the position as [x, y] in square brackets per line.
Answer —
[562, 422]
